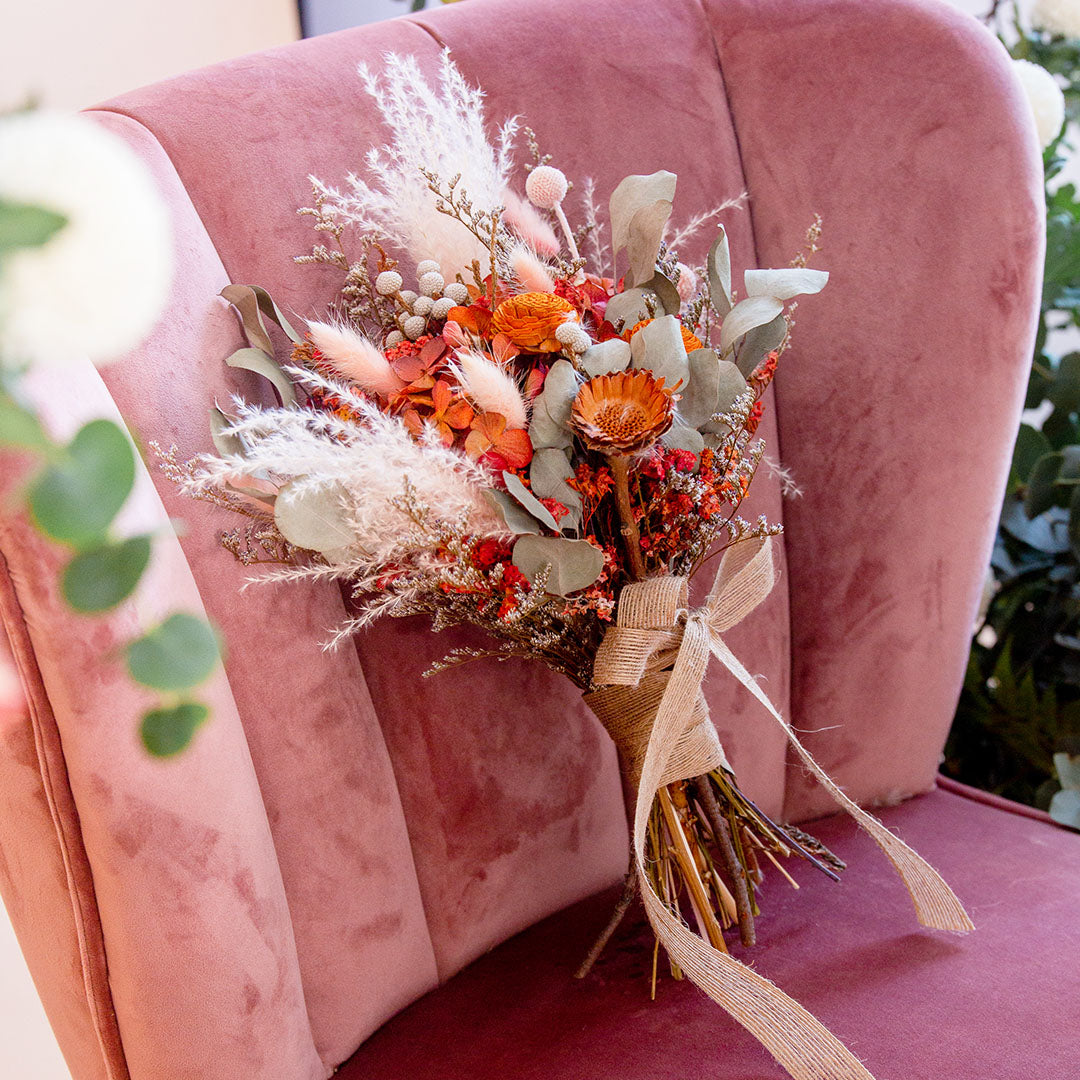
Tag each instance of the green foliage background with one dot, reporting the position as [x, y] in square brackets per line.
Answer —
[1021, 699]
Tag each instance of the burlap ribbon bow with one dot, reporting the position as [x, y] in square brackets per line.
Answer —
[649, 670]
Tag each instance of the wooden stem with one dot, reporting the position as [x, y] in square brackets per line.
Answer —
[684, 859]
[630, 886]
[620, 471]
[722, 833]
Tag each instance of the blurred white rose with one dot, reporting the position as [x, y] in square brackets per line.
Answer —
[1057, 17]
[1047, 100]
[97, 287]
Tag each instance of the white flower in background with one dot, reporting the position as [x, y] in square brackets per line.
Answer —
[98, 285]
[1057, 17]
[1047, 100]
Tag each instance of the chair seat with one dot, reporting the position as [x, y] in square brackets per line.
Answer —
[913, 1004]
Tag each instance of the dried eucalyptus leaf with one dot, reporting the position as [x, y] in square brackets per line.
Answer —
[627, 308]
[643, 242]
[545, 432]
[606, 357]
[759, 342]
[548, 474]
[268, 498]
[225, 442]
[313, 518]
[665, 291]
[551, 409]
[575, 564]
[719, 269]
[630, 195]
[745, 316]
[266, 366]
[697, 402]
[786, 283]
[253, 302]
[560, 389]
[659, 348]
[732, 385]
[517, 520]
[681, 436]
[527, 499]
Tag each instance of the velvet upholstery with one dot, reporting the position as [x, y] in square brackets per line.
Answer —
[999, 1003]
[346, 836]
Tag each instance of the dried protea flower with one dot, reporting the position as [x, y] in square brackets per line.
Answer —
[531, 319]
[622, 413]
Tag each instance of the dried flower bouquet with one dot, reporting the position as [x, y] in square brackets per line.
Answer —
[526, 441]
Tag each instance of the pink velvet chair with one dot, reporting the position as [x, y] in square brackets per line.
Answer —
[357, 868]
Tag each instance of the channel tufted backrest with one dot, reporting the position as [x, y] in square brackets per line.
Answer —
[345, 834]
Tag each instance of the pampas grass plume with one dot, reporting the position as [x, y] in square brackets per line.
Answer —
[491, 387]
[352, 355]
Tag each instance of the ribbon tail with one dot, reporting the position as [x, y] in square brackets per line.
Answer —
[936, 905]
[799, 1042]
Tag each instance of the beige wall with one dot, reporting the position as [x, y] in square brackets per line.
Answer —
[79, 52]
[73, 53]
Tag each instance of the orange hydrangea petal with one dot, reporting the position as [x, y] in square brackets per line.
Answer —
[515, 447]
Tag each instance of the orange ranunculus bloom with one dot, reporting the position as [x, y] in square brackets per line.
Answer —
[531, 319]
[690, 341]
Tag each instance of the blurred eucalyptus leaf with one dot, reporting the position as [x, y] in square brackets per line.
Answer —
[76, 497]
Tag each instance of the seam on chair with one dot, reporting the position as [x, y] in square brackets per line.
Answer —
[998, 802]
[85, 915]
[430, 31]
[788, 759]
[114, 111]
[111, 110]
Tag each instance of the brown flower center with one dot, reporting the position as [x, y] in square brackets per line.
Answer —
[622, 421]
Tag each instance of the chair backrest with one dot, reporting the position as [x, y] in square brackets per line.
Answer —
[344, 835]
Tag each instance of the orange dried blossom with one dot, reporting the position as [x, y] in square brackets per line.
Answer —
[622, 413]
[531, 319]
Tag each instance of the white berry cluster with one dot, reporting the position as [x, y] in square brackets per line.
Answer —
[432, 299]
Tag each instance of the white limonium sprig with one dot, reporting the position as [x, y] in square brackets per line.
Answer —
[439, 129]
[98, 286]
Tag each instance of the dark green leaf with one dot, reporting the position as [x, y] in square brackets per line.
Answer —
[166, 732]
[1074, 522]
[1030, 446]
[178, 654]
[1059, 430]
[1064, 391]
[24, 226]
[99, 578]
[1041, 493]
[75, 499]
